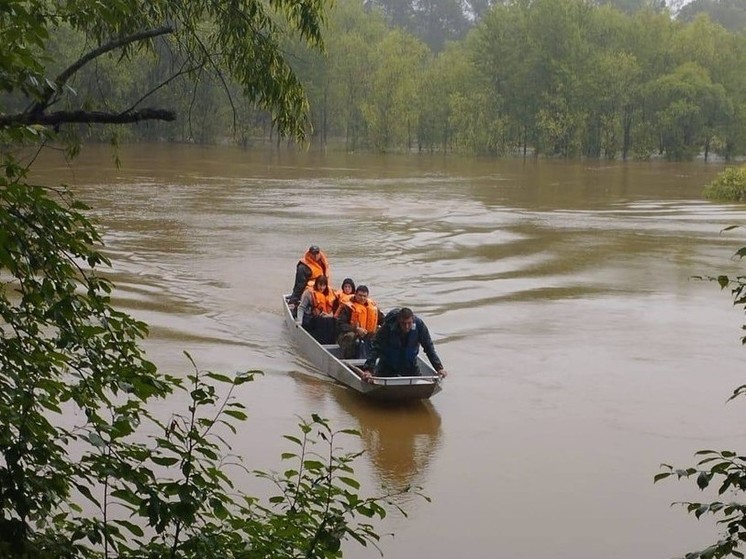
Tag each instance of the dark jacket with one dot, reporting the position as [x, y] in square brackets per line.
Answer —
[397, 351]
[302, 275]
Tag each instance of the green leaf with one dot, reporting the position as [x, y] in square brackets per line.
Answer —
[313, 465]
[354, 432]
[219, 377]
[219, 509]
[127, 496]
[164, 460]
[131, 527]
[241, 416]
[349, 481]
[96, 440]
[207, 452]
[86, 492]
[703, 479]
[246, 376]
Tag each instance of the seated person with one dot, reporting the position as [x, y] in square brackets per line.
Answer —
[396, 345]
[345, 293]
[316, 311]
[357, 322]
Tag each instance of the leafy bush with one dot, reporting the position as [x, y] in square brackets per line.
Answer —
[728, 185]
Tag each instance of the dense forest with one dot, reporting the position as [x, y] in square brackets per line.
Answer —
[569, 78]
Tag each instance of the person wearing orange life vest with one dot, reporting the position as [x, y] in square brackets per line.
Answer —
[316, 311]
[357, 323]
[313, 264]
[345, 293]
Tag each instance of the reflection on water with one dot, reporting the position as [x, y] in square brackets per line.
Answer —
[400, 440]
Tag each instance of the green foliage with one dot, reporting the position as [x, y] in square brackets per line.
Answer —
[390, 110]
[442, 81]
[724, 471]
[318, 501]
[632, 6]
[155, 487]
[731, 14]
[728, 185]
[236, 41]
[88, 467]
[61, 345]
[352, 33]
[434, 22]
[565, 78]
[569, 78]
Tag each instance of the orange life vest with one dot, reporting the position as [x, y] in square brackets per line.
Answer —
[344, 299]
[323, 302]
[318, 268]
[364, 316]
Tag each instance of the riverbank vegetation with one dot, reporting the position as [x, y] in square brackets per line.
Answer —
[568, 78]
[90, 464]
[728, 185]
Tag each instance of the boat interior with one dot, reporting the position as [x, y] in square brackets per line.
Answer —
[336, 351]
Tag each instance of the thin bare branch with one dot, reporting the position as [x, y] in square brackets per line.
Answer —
[66, 74]
[193, 101]
[211, 60]
[181, 72]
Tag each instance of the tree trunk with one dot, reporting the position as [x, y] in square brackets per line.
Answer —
[324, 120]
[627, 132]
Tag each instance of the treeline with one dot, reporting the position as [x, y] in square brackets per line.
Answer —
[547, 77]
[731, 14]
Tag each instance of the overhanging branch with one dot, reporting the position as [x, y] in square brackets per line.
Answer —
[66, 74]
[85, 117]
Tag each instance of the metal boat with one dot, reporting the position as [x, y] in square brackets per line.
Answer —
[328, 359]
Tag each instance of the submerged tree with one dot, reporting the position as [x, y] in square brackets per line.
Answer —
[76, 391]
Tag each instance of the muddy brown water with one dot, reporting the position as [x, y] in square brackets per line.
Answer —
[580, 352]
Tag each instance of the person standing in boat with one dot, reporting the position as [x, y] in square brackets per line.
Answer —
[357, 322]
[313, 264]
[316, 311]
[396, 345]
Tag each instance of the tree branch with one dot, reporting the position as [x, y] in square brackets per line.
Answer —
[61, 80]
[181, 72]
[99, 117]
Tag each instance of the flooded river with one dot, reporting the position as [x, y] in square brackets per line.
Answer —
[580, 353]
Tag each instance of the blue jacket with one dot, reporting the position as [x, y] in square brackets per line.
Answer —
[398, 351]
